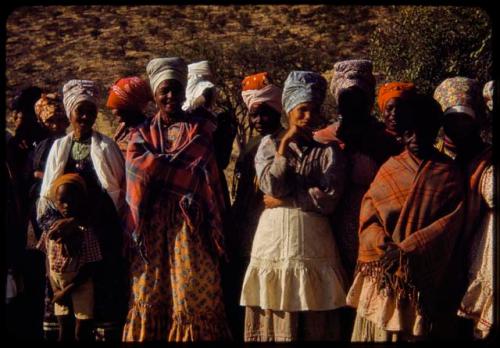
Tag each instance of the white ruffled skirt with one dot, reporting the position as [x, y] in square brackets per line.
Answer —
[295, 264]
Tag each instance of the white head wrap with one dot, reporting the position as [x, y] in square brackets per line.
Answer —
[197, 83]
[76, 91]
[270, 94]
[161, 69]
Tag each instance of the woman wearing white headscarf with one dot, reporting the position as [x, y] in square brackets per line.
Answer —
[295, 281]
[99, 161]
[175, 200]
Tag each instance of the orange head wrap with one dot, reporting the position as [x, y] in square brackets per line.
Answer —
[256, 81]
[129, 93]
[393, 90]
[70, 179]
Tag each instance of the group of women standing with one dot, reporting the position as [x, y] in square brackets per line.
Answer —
[358, 214]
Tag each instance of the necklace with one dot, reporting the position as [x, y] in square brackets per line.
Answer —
[80, 149]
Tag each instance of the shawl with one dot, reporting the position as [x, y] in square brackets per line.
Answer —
[107, 160]
[418, 205]
[187, 170]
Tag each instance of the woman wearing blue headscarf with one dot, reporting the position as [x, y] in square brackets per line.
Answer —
[295, 281]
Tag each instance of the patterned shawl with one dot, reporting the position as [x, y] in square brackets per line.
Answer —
[186, 170]
[418, 205]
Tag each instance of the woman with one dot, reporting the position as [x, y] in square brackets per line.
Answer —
[263, 102]
[127, 99]
[175, 199]
[463, 106]
[99, 161]
[409, 223]
[294, 281]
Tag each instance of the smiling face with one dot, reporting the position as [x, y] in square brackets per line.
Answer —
[83, 118]
[169, 97]
[68, 200]
[264, 118]
[396, 109]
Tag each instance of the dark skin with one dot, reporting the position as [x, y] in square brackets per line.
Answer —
[130, 117]
[463, 131]
[169, 97]
[302, 120]
[82, 120]
[264, 119]
[392, 111]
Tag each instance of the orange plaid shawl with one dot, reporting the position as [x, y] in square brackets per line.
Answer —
[186, 171]
[417, 204]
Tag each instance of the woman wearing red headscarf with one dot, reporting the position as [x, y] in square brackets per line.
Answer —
[128, 97]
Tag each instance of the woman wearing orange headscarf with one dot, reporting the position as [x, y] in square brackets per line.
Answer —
[128, 97]
[389, 102]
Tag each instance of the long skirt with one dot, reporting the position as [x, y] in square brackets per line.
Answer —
[366, 331]
[177, 295]
[266, 325]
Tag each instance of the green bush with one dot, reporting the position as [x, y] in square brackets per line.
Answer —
[426, 44]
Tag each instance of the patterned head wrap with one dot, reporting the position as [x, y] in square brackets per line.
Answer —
[301, 87]
[393, 90]
[48, 106]
[129, 93]
[161, 69]
[460, 94]
[355, 72]
[71, 179]
[76, 91]
[197, 83]
[488, 94]
[258, 89]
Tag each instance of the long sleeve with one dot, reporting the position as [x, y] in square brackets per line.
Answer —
[324, 197]
[271, 169]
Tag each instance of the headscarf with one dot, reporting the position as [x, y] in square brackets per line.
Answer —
[48, 106]
[197, 83]
[301, 87]
[488, 94]
[354, 72]
[393, 90]
[258, 89]
[70, 179]
[129, 93]
[460, 94]
[161, 69]
[76, 91]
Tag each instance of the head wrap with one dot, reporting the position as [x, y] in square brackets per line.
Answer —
[488, 94]
[393, 90]
[301, 87]
[48, 106]
[161, 69]
[258, 89]
[460, 94]
[26, 99]
[197, 83]
[354, 72]
[129, 93]
[76, 91]
[69, 179]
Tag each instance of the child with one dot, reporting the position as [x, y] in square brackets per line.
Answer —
[72, 250]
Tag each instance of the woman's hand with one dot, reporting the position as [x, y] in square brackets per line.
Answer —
[391, 256]
[272, 202]
[60, 296]
[62, 228]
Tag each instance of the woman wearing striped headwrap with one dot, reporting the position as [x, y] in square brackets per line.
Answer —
[295, 282]
[98, 160]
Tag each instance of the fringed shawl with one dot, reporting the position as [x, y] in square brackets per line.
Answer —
[187, 170]
[418, 205]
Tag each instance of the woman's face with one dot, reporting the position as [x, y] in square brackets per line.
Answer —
[68, 200]
[460, 128]
[124, 115]
[83, 118]
[305, 116]
[264, 118]
[56, 124]
[353, 105]
[395, 111]
[169, 97]
[17, 117]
